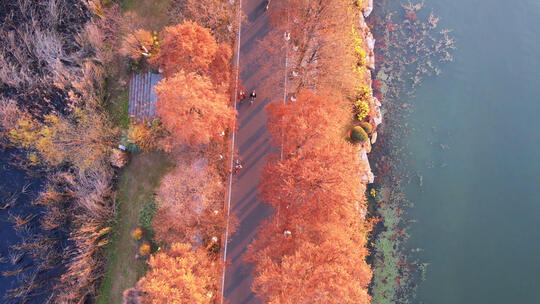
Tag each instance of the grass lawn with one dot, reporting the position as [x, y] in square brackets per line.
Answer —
[118, 107]
[136, 187]
[152, 14]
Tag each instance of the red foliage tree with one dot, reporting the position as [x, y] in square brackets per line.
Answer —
[192, 109]
[219, 69]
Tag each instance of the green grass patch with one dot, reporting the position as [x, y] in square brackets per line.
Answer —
[136, 187]
[146, 215]
[119, 108]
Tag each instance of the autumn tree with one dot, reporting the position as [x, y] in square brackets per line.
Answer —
[193, 49]
[181, 274]
[147, 137]
[313, 116]
[219, 69]
[317, 272]
[10, 115]
[311, 260]
[321, 176]
[216, 15]
[83, 139]
[189, 204]
[192, 109]
[317, 37]
[314, 248]
[137, 43]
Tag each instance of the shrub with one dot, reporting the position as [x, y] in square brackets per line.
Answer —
[359, 51]
[132, 296]
[362, 108]
[138, 43]
[142, 136]
[137, 233]
[144, 250]
[118, 158]
[363, 92]
[147, 214]
[358, 135]
[366, 126]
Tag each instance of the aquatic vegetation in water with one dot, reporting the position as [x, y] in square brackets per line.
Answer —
[409, 47]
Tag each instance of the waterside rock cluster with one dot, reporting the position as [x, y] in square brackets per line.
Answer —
[375, 115]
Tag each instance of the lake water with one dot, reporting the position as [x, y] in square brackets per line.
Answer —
[475, 141]
[17, 191]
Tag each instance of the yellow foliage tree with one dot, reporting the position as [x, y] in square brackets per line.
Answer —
[138, 43]
[144, 136]
[84, 139]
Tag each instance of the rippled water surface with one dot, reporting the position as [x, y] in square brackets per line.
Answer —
[476, 142]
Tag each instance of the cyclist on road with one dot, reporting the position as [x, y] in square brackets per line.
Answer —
[252, 97]
[237, 166]
[242, 95]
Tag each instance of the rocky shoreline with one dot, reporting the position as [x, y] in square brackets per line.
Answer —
[375, 114]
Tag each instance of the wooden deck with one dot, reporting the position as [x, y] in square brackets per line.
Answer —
[142, 98]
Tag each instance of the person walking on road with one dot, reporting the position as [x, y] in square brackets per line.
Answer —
[252, 97]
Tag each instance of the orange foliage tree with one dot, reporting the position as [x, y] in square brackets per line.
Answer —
[192, 109]
[186, 46]
[313, 115]
[181, 274]
[314, 248]
[189, 204]
[316, 263]
[322, 176]
[192, 48]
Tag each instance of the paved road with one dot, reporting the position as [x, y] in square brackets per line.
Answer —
[253, 145]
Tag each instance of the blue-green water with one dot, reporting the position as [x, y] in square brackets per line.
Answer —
[478, 210]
